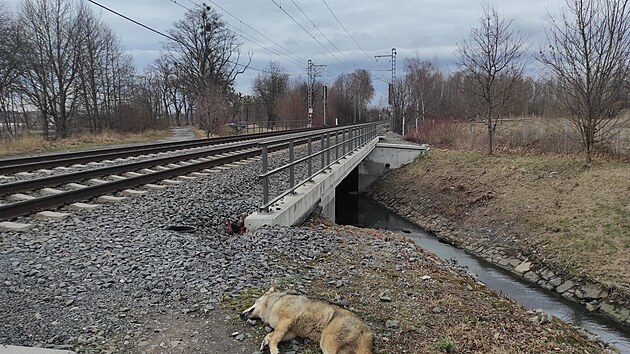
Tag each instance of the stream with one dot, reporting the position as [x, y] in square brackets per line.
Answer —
[372, 215]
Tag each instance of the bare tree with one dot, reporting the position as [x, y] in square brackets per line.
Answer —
[172, 93]
[350, 95]
[212, 109]
[589, 55]
[104, 69]
[206, 52]
[362, 92]
[400, 99]
[11, 68]
[493, 57]
[340, 99]
[426, 82]
[269, 88]
[54, 54]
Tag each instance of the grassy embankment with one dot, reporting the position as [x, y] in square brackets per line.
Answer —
[535, 196]
[29, 144]
[573, 217]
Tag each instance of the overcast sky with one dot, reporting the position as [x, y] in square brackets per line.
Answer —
[429, 29]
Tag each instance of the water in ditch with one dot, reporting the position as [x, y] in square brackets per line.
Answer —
[371, 215]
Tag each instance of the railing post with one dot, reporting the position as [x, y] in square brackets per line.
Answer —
[361, 137]
[310, 158]
[337, 145]
[292, 168]
[321, 152]
[327, 149]
[350, 140]
[265, 169]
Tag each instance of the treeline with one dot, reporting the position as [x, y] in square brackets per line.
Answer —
[278, 99]
[427, 92]
[63, 70]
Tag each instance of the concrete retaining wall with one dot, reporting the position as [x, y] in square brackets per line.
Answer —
[386, 157]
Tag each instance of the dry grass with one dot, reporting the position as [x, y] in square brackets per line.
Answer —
[27, 143]
[519, 136]
[573, 217]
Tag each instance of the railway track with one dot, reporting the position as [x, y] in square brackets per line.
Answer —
[29, 196]
[40, 162]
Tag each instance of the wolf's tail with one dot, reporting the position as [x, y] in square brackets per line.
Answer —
[365, 344]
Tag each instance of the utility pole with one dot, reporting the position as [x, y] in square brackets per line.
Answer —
[391, 84]
[312, 74]
[325, 100]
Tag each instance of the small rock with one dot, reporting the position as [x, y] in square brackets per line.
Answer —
[555, 282]
[437, 309]
[564, 287]
[392, 324]
[591, 306]
[523, 267]
[144, 343]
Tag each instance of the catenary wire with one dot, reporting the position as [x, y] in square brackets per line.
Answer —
[322, 33]
[314, 38]
[255, 30]
[344, 28]
[249, 38]
[166, 35]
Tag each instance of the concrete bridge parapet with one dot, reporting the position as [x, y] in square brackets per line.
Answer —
[375, 158]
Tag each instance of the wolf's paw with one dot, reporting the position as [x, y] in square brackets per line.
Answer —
[265, 343]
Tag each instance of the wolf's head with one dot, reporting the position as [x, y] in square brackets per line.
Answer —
[260, 308]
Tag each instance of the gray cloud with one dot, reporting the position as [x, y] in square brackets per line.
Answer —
[429, 29]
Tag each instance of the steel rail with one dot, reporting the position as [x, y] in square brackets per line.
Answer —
[14, 210]
[21, 186]
[50, 181]
[13, 165]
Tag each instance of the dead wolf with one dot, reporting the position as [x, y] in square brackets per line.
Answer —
[337, 330]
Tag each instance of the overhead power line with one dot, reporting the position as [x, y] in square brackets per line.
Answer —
[132, 20]
[344, 28]
[247, 37]
[309, 33]
[257, 31]
[322, 33]
[165, 35]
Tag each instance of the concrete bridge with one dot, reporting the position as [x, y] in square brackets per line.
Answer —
[352, 173]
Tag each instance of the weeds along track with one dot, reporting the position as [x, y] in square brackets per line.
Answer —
[30, 195]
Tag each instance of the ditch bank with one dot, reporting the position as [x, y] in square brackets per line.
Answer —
[547, 219]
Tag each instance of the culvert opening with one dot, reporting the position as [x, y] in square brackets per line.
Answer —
[182, 228]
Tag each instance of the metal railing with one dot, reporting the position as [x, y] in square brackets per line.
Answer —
[261, 127]
[338, 142]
